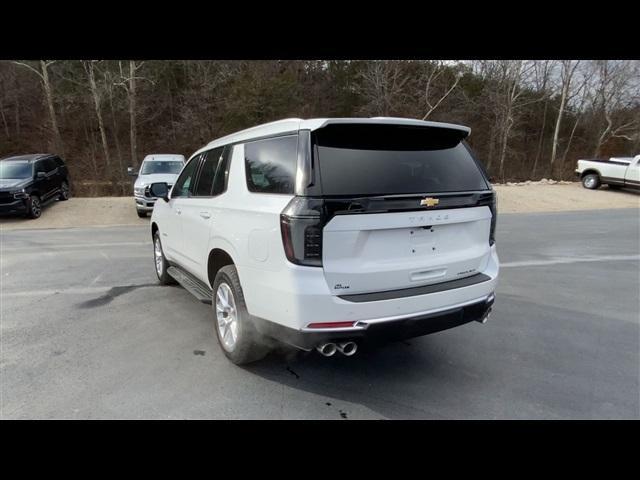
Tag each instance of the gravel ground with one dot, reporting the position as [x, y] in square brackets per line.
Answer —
[534, 197]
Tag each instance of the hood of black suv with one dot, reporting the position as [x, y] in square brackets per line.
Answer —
[13, 183]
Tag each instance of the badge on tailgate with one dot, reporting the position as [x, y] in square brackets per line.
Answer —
[429, 202]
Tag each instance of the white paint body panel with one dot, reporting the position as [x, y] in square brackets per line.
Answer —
[391, 251]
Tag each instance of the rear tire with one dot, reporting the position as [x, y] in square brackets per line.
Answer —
[141, 213]
[591, 181]
[237, 335]
[160, 262]
[34, 207]
[64, 191]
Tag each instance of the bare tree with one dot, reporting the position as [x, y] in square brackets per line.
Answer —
[109, 83]
[382, 86]
[567, 72]
[507, 79]
[435, 72]
[615, 91]
[542, 71]
[43, 74]
[89, 67]
[129, 84]
[579, 112]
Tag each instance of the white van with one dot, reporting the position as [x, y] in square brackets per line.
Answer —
[326, 233]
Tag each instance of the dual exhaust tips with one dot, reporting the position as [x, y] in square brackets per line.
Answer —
[329, 349]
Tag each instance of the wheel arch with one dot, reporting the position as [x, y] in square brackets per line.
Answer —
[589, 171]
[218, 258]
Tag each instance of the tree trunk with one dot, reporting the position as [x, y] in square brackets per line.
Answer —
[556, 131]
[117, 142]
[17, 99]
[4, 119]
[52, 112]
[132, 114]
[96, 101]
[503, 148]
[566, 150]
[540, 141]
[93, 153]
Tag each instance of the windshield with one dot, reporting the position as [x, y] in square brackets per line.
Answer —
[15, 170]
[157, 166]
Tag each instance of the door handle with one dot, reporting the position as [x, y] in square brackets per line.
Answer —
[178, 211]
[205, 215]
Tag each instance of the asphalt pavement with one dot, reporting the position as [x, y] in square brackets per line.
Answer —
[86, 332]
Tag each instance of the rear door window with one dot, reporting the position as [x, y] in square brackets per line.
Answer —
[271, 164]
[389, 160]
[50, 164]
[208, 173]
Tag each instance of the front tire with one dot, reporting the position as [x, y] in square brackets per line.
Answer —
[591, 181]
[34, 207]
[237, 335]
[141, 213]
[160, 262]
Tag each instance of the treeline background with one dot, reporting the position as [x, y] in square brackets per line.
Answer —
[529, 119]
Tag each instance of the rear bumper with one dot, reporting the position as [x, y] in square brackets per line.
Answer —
[377, 331]
[299, 296]
[18, 206]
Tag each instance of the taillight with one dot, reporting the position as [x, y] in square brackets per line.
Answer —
[494, 218]
[301, 225]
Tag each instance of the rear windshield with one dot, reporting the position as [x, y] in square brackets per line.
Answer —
[387, 160]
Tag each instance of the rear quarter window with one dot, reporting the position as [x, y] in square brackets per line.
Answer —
[270, 164]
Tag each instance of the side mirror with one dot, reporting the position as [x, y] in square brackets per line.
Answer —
[40, 175]
[159, 190]
[131, 173]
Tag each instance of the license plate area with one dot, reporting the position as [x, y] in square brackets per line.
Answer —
[423, 240]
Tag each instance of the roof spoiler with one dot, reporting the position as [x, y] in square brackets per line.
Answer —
[463, 131]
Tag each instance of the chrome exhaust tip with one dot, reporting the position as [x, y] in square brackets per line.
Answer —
[327, 349]
[348, 348]
[484, 319]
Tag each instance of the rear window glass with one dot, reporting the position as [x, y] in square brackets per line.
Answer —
[387, 160]
[271, 164]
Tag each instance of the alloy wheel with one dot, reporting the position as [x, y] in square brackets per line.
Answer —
[226, 316]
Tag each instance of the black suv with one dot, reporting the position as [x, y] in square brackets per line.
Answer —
[28, 182]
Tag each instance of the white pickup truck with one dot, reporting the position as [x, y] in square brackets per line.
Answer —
[616, 172]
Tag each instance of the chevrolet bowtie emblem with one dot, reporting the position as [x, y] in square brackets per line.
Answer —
[429, 202]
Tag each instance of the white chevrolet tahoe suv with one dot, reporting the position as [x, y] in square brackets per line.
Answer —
[328, 233]
[155, 168]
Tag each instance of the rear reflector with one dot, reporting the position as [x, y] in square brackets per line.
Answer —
[331, 325]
